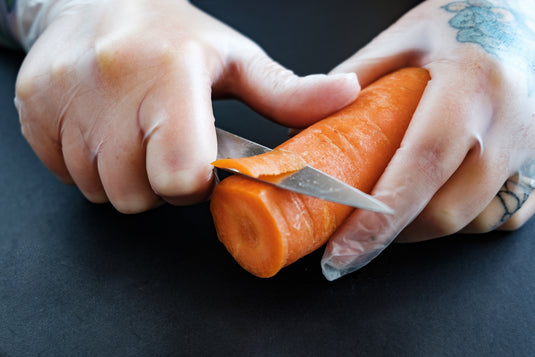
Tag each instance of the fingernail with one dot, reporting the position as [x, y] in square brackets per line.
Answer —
[336, 267]
[330, 272]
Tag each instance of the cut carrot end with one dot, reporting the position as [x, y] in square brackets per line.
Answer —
[248, 223]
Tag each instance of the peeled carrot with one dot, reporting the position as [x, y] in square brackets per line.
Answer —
[266, 228]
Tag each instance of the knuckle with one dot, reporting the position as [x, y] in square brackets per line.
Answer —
[111, 60]
[429, 158]
[60, 70]
[189, 47]
[118, 59]
[24, 87]
[188, 53]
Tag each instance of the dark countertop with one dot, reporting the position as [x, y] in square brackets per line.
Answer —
[82, 279]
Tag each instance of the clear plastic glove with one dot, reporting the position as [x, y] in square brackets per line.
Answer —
[115, 96]
[473, 129]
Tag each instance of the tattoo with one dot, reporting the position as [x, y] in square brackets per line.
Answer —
[500, 31]
[512, 196]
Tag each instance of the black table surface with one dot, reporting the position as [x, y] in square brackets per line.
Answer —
[82, 279]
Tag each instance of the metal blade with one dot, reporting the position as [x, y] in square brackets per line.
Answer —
[308, 181]
[233, 146]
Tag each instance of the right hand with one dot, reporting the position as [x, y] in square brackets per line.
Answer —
[115, 97]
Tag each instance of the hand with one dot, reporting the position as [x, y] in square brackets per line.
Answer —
[116, 97]
[472, 131]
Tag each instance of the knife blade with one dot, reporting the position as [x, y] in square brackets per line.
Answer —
[308, 180]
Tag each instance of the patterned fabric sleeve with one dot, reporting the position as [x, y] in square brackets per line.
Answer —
[7, 19]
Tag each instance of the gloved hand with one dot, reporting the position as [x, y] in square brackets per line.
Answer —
[472, 131]
[115, 96]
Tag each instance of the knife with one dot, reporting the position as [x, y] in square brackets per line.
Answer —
[308, 180]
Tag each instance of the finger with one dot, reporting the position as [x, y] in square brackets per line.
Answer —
[458, 202]
[524, 181]
[279, 94]
[178, 126]
[469, 190]
[40, 123]
[520, 217]
[121, 163]
[45, 89]
[510, 208]
[81, 160]
[434, 146]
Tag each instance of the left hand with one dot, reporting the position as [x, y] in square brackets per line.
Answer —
[472, 131]
[116, 96]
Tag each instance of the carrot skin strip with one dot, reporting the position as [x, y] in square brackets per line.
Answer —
[271, 163]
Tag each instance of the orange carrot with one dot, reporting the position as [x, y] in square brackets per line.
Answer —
[266, 228]
[272, 163]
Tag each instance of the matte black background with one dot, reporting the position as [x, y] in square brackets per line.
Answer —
[82, 279]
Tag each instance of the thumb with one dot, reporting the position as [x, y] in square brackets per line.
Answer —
[286, 98]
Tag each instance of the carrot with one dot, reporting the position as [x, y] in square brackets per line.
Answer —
[272, 163]
[266, 228]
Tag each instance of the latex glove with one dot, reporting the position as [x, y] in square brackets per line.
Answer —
[473, 129]
[115, 96]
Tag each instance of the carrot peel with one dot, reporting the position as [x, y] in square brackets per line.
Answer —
[272, 163]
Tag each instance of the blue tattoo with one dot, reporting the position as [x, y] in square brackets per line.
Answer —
[498, 30]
